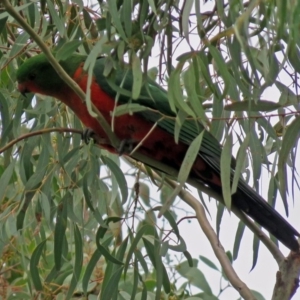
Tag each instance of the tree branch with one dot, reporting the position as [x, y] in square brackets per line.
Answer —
[287, 278]
[38, 132]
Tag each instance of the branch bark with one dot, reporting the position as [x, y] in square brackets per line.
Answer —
[287, 278]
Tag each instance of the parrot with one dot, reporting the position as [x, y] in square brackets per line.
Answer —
[36, 75]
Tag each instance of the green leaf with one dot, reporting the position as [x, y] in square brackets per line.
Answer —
[134, 243]
[238, 239]
[101, 24]
[122, 249]
[294, 55]
[89, 270]
[156, 261]
[135, 279]
[203, 64]
[152, 5]
[5, 118]
[111, 287]
[126, 16]
[240, 160]
[119, 175]
[185, 170]
[189, 258]
[77, 262]
[59, 231]
[128, 108]
[22, 212]
[169, 216]
[175, 95]
[104, 251]
[287, 96]
[19, 44]
[144, 193]
[257, 295]
[142, 261]
[195, 277]
[220, 212]
[16, 8]
[255, 249]
[209, 263]
[137, 76]
[57, 20]
[223, 69]
[189, 159]
[91, 266]
[226, 171]
[185, 18]
[289, 140]
[67, 49]
[5, 178]
[178, 248]
[250, 105]
[34, 269]
[190, 82]
[113, 10]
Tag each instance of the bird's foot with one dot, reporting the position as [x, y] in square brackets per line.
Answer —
[126, 146]
[87, 135]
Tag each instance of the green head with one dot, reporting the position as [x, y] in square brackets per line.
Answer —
[36, 74]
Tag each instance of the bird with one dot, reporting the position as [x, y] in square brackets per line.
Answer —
[36, 75]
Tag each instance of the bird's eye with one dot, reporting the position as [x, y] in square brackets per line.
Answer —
[32, 76]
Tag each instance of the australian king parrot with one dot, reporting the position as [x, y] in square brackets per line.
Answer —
[37, 75]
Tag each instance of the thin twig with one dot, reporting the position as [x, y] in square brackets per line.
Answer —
[38, 132]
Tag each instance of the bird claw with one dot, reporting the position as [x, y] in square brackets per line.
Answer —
[126, 146]
[87, 135]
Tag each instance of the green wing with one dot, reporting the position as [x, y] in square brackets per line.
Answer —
[154, 97]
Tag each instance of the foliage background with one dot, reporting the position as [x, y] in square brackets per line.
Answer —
[56, 192]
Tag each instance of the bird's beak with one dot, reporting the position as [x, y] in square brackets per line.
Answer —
[23, 89]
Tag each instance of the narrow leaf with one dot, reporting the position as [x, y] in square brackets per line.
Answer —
[249, 105]
[113, 10]
[226, 170]
[209, 263]
[67, 49]
[134, 243]
[34, 269]
[59, 231]
[77, 262]
[238, 238]
[112, 285]
[185, 18]
[137, 76]
[240, 160]
[119, 175]
[288, 142]
[5, 178]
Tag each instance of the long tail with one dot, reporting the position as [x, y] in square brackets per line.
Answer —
[247, 200]
[207, 169]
